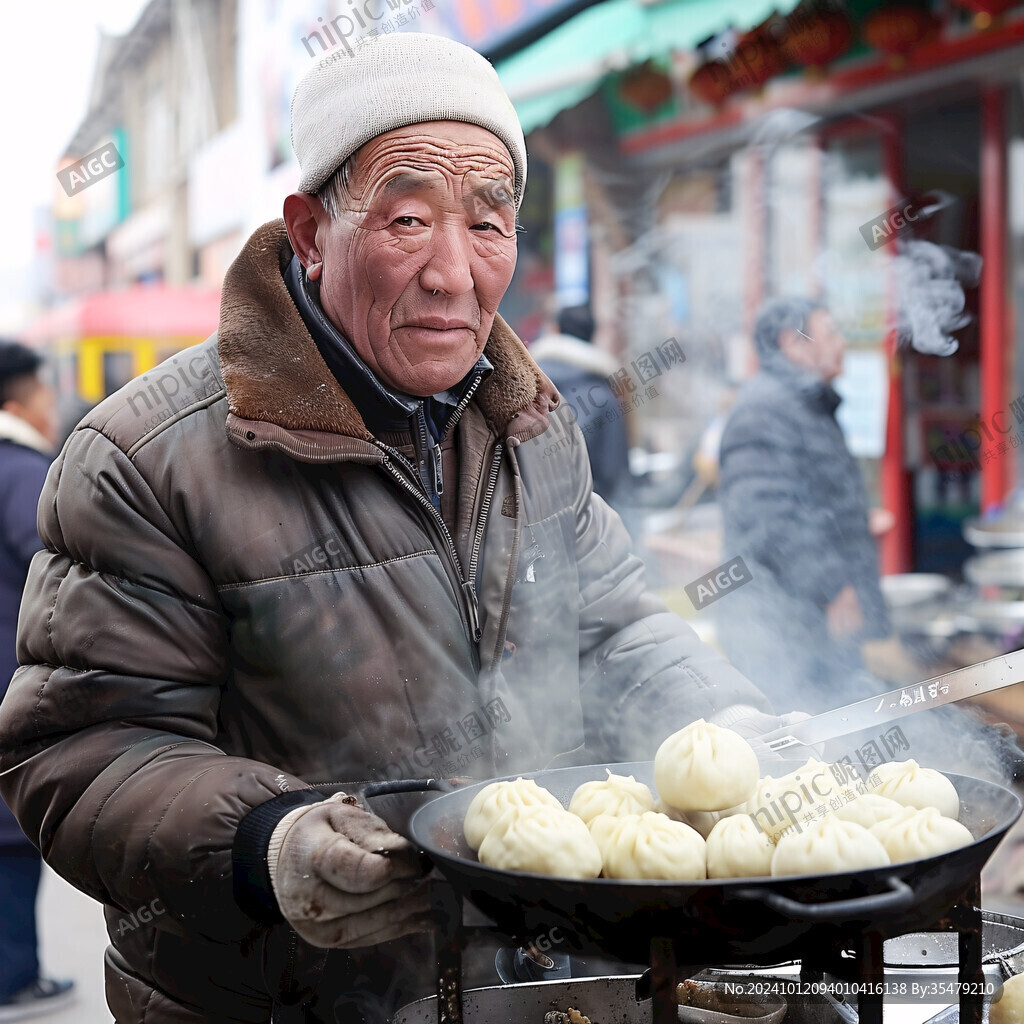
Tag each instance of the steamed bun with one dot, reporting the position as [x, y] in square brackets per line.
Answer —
[914, 834]
[909, 784]
[648, 845]
[617, 795]
[489, 804]
[829, 845]
[869, 809]
[786, 801]
[737, 848]
[705, 768]
[702, 821]
[543, 840]
[1008, 1008]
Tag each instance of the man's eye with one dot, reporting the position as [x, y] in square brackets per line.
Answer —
[485, 225]
[406, 222]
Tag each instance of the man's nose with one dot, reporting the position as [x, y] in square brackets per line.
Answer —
[449, 267]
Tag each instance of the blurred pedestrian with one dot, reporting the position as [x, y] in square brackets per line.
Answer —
[28, 431]
[795, 508]
[580, 371]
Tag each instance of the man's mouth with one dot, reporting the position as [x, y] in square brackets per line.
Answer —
[441, 323]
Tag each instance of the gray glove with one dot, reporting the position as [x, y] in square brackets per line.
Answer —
[343, 879]
[751, 724]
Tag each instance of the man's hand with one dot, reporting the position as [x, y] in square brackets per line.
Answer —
[880, 520]
[751, 724]
[343, 879]
[844, 614]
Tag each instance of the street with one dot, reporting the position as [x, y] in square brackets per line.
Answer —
[72, 940]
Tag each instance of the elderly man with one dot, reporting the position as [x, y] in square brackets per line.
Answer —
[795, 507]
[340, 558]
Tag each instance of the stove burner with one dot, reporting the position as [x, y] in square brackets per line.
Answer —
[851, 951]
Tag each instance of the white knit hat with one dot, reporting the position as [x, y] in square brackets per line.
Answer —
[389, 82]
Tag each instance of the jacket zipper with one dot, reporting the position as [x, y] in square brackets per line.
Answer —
[468, 586]
[468, 593]
[510, 581]
[437, 466]
[426, 451]
[461, 407]
[277, 1007]
[485, 508]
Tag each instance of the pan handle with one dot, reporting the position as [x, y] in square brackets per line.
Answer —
[393, 786]
[899, 897]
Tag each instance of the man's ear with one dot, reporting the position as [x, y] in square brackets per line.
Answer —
[301, 213]
[788, 343]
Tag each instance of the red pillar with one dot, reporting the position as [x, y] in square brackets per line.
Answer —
[994, 353]
[757, 244]
[895, 547]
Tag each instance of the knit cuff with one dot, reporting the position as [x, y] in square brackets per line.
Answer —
[729, 716]
[278, 835]
[251, 874]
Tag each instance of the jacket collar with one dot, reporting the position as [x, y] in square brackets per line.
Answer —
[811, 388]
[274, 373]
[14, 428]
[574, 352]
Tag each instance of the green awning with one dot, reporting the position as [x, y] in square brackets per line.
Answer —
[567, 65]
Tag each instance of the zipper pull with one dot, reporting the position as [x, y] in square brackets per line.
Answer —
[438, 471]
[474, 610]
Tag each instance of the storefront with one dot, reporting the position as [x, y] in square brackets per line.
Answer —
[886, 182]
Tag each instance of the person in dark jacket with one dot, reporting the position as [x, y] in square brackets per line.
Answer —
[580, 371]
[795, 508]
[28, 429]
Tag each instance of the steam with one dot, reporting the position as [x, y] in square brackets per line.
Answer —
[930, 293]
[956, 740]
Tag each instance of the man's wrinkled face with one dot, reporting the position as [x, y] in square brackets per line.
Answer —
[415, 266]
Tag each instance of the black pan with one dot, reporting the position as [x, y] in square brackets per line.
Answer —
[745, 921]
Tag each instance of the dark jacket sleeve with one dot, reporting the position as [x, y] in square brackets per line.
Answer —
[644, 673]
[773, 523]
[18, 505]
[608, 446]
[108, 752]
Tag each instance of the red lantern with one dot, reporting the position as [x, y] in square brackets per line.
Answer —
[757, 56]
[898, 29]
[712, 82]
[814, 37]
[645, 87]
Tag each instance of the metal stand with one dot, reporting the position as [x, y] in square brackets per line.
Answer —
[870, 978]
[970, 976]
[664, 1007]
[866, 968]
[448, 909]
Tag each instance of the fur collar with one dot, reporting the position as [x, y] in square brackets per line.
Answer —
[274, 372]
[14, 428]
[574, 352]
